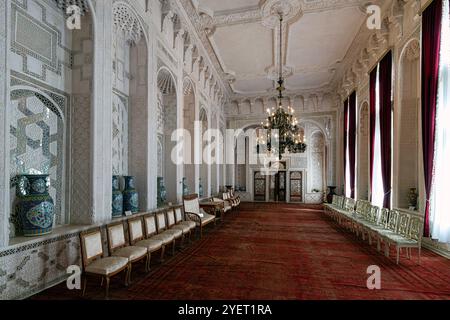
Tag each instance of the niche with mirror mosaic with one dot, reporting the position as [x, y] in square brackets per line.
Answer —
[51, 70]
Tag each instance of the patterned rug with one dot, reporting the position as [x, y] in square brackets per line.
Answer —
[278, 252]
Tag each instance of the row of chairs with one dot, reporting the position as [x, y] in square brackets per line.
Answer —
[147, 235]
[389, 227]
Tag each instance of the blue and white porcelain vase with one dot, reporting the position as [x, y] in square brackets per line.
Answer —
[162, 193]
[117, 198]
[130, 195]
[200, 189]
[185, 187]
[35, 207]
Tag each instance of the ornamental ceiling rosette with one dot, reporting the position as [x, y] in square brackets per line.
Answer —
[271, 9]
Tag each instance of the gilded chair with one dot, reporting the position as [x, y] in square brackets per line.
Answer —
[163, 229]
[195, 213]
[172, 225]
[180, 220]
[96, 264]
[151, 232]
[118, 246]
[138, 239]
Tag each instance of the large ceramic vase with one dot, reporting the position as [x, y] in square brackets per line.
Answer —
[35, 207]
[331, 193]
[117, 198]
[200, 189]
[185, 187]
[130, 196]
[162, 193]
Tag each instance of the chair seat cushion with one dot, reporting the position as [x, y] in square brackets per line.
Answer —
[132, 252]
[207, 218]
[150, 244]
[227, 208]
[107, 266]
[176, 232]
[164, 237]
[401, 240]
[190, 224]
[184, 228]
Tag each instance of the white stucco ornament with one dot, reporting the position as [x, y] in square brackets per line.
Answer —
[271, 9]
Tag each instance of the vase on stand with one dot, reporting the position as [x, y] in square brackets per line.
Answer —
[185, 187]
[162, 193]
[130, 195]
[117, 198]
[35, 207]
[331, 193]
[412, 197]
[200, 189]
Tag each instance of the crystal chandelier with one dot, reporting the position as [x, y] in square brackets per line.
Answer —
[288, 137]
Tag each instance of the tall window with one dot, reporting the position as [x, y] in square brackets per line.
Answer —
[347, 157]
[439, 210]
[377, 179]
[381, 131]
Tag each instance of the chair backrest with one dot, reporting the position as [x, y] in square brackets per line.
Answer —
[360, 205]
[384, 217]
[191, 204]
[178, 214]
[91, 246]
[135, 230]
[225, 196]
[150, 225]
[171, 218]
[403, 224]
[349, 204]
[341, 202]
[161, 222]
[116, 236]
[393, 220]
[374, 216]
[416, 228]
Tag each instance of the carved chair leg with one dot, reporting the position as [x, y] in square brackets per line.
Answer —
[174, 244]
[107, 288]
[84, 285]
[163, 249]
[129, 273]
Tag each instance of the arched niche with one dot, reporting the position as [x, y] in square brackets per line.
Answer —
[408, 123]
[130, 98]
[317, 171]
[363, 152]
[51, 97]
[167, 124]
[204, 176]
[189, 125]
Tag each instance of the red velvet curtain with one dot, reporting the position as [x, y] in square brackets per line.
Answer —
[373, 101]
[385, 84]
[345, 141]
[352, 141]
[431, 43]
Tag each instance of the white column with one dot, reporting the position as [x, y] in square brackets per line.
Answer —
[101, 138]
[4, 125]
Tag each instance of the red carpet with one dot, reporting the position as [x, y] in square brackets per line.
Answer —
[278, 251]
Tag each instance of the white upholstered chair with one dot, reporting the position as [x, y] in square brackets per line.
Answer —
[164, 231]
[96, 264]
[138, 239]
[172, 225]
[151, 232]
[227, 204]
[180, 220]
[196, 214]
[118, 246]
